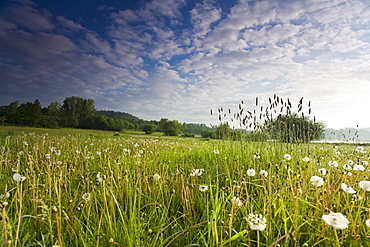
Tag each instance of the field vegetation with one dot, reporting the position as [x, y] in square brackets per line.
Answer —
[70, 187]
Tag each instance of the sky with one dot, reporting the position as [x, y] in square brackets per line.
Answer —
[178, 59]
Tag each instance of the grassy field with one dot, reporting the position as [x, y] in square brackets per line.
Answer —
[94, 188]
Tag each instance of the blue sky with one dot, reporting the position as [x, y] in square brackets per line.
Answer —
[178, 59]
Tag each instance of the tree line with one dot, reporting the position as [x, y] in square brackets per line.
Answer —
[76, 112]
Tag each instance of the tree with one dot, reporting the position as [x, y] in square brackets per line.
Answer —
[29, 114]
[223, 131]
[51, 116]
[148, 128]
[293, 128]
[194, 128]
[76, 110]
[9, 112]
[170, 128]
[207, 134]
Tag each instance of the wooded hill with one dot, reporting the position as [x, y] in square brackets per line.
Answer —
[77, 112]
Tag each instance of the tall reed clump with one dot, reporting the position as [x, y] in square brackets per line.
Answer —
[83, 190]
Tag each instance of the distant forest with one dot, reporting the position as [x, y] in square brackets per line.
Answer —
[77, 112]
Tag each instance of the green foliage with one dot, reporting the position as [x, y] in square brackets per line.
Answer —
[207, 134]
[187, 134]
[76, 110]
[148, 128]
[120, 115]
[170, 128]
[194, 128]
[293, 128]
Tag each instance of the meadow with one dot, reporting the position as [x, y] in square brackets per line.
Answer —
[95, 188]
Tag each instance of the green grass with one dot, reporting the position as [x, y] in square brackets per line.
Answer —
[129, 208]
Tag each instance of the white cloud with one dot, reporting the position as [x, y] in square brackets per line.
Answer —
[203, 16]
[69, 24]
[25, 14]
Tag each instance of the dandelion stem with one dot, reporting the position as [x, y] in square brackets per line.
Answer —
[4, 224]
[336, 237]
[19, 214]
[55, 210]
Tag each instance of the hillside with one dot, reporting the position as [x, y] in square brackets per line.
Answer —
[120, 115]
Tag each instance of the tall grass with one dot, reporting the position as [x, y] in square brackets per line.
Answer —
[100, 190]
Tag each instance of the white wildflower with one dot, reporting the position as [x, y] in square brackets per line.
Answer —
[348, 189]
[86, 196]
[336, 220]
[203, 188]
[333, 163]
[360, 149]
[323, 171]
[306, 159]
[358, 167]
[251, 172]
[264, 173]
[356, 198]
[236, 202]
[196, 172]
[347, 167]
[256, 222]
[365, 185]
[367, 223]
[317, 181]
[156, 177]
[19, 178]
[287, 157]
[99, 179]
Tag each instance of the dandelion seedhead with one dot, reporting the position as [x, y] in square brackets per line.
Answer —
[256, 222]
[336, 220]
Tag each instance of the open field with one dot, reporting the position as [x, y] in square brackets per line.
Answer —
[94, 188]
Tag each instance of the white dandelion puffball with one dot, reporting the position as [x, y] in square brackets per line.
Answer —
[156, 177]
[367, 223]
[264, 173]
[19, 178]
[236, 202]
[203, 188]
[196, 172]
[86, 196]
[336, 220]
[251, 172]
[365, 185]
[306, 159]
[360, 149]
[257, 222]
[348, 189]
[358, 167]
[333, 163]
[287, 157]
[323, 171]
[317, 181]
